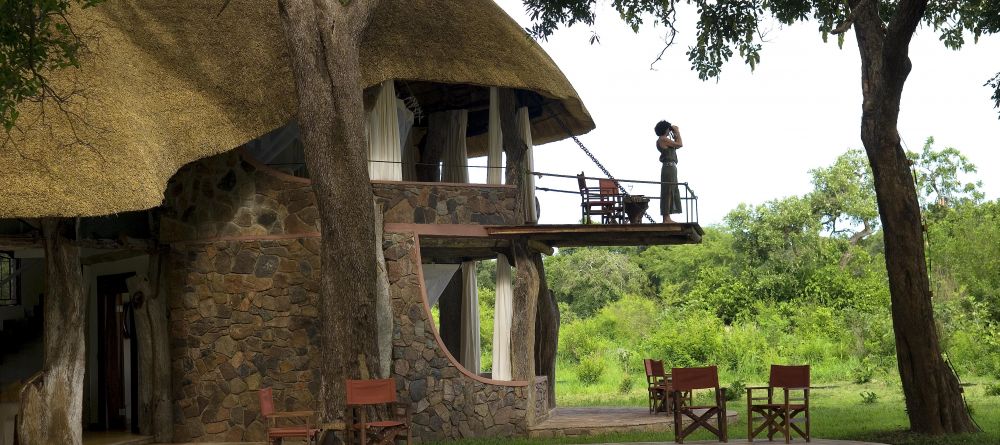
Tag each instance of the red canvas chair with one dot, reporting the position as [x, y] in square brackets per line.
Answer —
[659, 387]
[781, 417]
[276, 433]
[365, 394]
[603, 201]
[691, 379]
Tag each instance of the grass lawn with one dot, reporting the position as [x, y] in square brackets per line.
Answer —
[837, 411]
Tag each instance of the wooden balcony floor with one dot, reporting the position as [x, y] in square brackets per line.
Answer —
[463, 242]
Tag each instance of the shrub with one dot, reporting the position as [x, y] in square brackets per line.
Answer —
[863, 373]
[869, 398]
[590, 369]
[993, 389]
[735, 390]
[625, 386]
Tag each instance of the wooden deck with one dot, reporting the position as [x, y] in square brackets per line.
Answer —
[464, 242]
[579, 235]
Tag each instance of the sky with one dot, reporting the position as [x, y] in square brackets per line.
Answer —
[751, 137]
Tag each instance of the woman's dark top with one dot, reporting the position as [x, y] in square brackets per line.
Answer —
[667, 154]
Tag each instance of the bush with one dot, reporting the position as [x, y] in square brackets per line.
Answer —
[735, 390]
[625, 386]
[869, 398]
[993, 389]
[590, 369]
[864, 372]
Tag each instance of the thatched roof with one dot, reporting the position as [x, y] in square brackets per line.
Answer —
[172, 81]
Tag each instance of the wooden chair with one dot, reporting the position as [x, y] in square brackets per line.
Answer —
[603, 200]
[657, 385]
[691, 379]
[365, 394]
[781, 417]
[660, 389]
[276, 433]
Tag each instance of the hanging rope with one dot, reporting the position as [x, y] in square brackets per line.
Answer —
[598, 163]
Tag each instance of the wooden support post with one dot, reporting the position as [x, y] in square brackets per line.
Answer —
[522, 341]
[52, 406]
[152, 333]
[546, 332]
[430, 155]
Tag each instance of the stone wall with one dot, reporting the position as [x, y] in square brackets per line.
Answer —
[541, 398]
[243, 274]
[446, 402]
[242, 316]
[226, 196]
[430, 203]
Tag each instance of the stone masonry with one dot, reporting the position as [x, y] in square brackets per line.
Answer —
[446, 403]
[244, 274]
[432, 203]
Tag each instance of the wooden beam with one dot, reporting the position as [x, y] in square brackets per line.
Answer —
[541, 247]
[114, 255]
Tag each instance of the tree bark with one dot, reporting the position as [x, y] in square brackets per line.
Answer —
[546, 332]
[934, 401]
[324, 40]
[853, 241]
[522, 340]
[515, 148]
[52, 407]
[155, 402]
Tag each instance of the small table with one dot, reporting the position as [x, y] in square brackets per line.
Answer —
[635, 207]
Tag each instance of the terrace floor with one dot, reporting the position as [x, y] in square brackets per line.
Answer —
[589, 421]
[464, 242]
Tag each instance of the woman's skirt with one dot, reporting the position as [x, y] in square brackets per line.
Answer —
[670, 197]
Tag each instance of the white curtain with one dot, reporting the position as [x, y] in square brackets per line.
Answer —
[455, 159]
[494, 155]
[436, 279]
[503, 313]
[384, 151]
[408, 151]
[470, 318]
[524, 129]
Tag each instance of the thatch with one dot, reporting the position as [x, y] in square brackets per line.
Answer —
[172, 81]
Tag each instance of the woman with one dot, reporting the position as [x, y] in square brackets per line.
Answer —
[667, 142]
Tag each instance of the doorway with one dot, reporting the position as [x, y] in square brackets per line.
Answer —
[117, 364]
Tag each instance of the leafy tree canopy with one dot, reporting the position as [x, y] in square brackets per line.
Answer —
[36, 38]
[727, 28]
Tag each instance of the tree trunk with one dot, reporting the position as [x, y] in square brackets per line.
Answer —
[934, 401]
[546, 332]
[155, 402]
[324, 46]
[522, 339]
[52, 406]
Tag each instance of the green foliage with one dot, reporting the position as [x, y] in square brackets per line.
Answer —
[587, 279]
[869, 398]
[863, 373]
[626, 385]
[590, 370]
[735, 390]
[992, 389]
[939, 182]
[36, 38]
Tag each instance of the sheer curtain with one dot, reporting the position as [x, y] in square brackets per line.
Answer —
[470, 318]
[502, 316]
[384, 152]
[408, 153]
[494, 155]
[455, 159]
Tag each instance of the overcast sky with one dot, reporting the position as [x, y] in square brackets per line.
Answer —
[752, 137]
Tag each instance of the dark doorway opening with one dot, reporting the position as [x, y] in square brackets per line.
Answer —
[117, 356]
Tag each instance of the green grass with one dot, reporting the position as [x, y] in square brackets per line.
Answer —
[837, 413]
